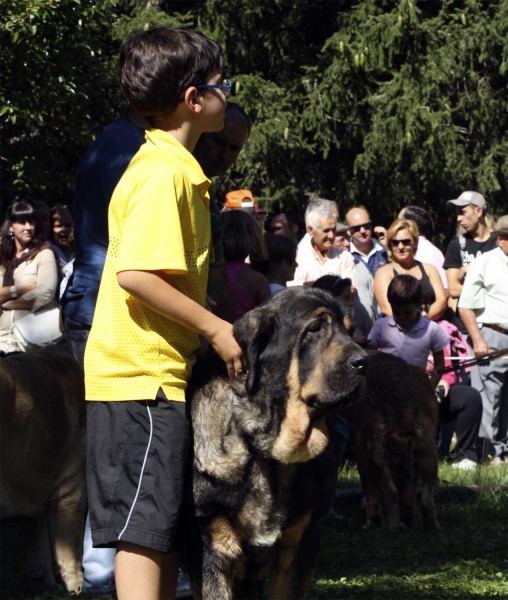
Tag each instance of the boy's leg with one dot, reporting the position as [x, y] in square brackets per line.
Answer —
[138, 573]
[137, 453]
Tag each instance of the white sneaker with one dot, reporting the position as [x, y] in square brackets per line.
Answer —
[183, 589]
[465, 465]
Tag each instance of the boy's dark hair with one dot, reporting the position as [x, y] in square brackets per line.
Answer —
[422, 218]
[278, 248]
[159, 64]
[404, 290]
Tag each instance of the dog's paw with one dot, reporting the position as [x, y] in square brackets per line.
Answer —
[225, 539]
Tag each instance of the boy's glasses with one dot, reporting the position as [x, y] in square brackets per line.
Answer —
[225, 86]
[396, 243]
[357, 228]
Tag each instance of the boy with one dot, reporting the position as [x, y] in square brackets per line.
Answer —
[150, 311]
[407, 334]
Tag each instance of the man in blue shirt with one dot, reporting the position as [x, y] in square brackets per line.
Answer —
[363, 247]
[369, 255]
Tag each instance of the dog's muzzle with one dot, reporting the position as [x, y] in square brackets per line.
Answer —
[359, 362]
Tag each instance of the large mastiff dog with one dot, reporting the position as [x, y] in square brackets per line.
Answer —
[263, 472]
[393, 430]
[43, 453]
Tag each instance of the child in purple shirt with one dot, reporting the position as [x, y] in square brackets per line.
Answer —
[407, 334]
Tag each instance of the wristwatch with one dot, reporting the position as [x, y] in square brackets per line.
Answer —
[14, 294]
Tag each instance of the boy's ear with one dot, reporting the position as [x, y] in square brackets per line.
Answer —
[192, 99]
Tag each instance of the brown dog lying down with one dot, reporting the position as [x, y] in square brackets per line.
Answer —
[263, 471]
[393, 431]
[43, 457]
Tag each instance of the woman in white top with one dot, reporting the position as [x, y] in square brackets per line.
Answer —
[28, 271]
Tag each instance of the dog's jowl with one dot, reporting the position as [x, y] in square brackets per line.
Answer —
[263, 471]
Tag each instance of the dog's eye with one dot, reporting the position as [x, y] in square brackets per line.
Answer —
[315, 326]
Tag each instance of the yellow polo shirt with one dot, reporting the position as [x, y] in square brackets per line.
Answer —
[159, 220]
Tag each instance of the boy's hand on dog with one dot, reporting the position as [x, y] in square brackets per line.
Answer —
[227, 348]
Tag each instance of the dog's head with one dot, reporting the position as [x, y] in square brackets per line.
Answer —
[302, 366]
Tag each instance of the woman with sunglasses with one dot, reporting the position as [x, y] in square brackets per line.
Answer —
[401, 245]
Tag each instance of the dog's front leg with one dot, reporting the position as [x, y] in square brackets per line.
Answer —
[222, 549]
[427, 467]
[38, 554]
[66, 517]
[296, 555]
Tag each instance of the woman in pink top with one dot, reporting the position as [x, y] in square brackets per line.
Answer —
[459, 402]
[242, 239]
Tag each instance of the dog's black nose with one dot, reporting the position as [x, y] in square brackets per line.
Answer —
[359, 361]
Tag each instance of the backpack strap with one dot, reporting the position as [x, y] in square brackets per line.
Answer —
[463, 251]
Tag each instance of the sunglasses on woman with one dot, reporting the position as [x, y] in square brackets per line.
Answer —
[396, 243]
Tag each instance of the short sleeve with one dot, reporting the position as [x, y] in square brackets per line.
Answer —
[439, 339]
[151, 236]
[374, 336]
[473, 291]
[452, 257]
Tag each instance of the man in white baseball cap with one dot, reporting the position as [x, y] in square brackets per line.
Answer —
[483, 306]
[467, 198]
[470, 208]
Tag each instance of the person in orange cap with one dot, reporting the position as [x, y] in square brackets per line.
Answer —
[244, 200]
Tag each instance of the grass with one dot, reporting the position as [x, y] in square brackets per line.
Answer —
[467, 559]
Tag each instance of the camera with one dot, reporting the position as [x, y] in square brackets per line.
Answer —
[440, 393]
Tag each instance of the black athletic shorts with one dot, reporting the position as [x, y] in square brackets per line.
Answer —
[136, 458]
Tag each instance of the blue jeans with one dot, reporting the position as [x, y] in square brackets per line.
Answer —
[98, 563]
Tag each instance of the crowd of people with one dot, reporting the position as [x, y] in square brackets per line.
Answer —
[411, 300]
[135, 267]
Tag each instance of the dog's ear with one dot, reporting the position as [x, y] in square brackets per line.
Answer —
[253, 332]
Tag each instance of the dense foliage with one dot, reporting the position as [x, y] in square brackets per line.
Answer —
[373, 102]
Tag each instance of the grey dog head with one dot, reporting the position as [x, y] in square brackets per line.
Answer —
[302, 365]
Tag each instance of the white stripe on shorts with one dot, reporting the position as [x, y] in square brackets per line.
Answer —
[141, 475]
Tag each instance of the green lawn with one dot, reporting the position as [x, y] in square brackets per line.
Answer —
[468, 558]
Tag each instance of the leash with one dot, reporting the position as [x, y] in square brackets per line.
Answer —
[471, 361]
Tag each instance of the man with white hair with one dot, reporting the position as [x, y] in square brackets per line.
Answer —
[319, 256]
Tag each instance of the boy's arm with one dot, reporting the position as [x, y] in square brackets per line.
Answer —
[154, 289]
[438, 364]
